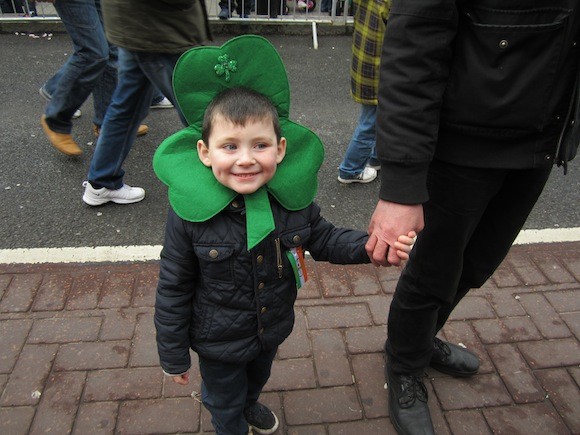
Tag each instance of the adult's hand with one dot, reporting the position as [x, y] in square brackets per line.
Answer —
[389, 221]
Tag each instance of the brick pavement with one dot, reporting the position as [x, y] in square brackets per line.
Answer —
[78, 353]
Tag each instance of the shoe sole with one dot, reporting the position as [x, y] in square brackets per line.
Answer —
[94, 203]
[161, 107]
[354, 180]
[445, 370]
[267, 431]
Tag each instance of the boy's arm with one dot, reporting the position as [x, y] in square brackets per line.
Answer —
[175, 291]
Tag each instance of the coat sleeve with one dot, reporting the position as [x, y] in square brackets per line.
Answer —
[414, 69]
[333, 244]
[175, 292]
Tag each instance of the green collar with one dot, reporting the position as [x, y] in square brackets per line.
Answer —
[194, 193]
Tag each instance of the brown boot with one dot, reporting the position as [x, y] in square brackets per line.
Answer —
[141, 131]
[61, 141]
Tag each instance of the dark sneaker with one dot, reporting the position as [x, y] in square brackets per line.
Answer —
[224, 14]
[408, 408]
[261, 419]
[453, 360]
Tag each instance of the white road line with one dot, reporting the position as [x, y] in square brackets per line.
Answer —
[101, 254]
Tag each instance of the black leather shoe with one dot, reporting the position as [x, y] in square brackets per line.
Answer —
[408, 408]
[453, 360]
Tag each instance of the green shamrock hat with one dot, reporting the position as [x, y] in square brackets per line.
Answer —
[200, 74]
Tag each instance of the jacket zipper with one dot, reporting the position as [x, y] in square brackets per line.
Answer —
[279, 257]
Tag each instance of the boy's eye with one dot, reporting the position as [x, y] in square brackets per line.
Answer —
[229, 147]
[262, 145]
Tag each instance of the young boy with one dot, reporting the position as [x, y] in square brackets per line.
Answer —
[232, 259]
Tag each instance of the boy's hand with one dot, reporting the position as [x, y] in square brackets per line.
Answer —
[404, 244]
[181, 379]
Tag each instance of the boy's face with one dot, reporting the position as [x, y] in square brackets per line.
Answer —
[243, 158]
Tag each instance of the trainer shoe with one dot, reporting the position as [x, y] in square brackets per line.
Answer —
[224, 14]
[163, 104]
[61, 141]
[366, 176]
[141, 131]
[124, 195]
[44, 93]
[261, 419]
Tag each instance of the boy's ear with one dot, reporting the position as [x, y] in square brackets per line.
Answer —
[203, 153]
[281, 150]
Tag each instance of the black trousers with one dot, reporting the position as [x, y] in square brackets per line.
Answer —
[471, 220]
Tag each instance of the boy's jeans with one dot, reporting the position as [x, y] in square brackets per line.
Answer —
[91, 68]
[362, 145]
[138, 71]
[227, 389]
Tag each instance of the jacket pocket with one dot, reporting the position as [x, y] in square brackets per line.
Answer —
[504, 69]
[216, 263]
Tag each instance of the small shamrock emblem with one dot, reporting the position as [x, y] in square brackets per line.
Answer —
[225, 65]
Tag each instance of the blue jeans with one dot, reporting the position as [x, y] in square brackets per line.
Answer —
[362, 145]
[228, 388]
[91, 68]
[138, 73]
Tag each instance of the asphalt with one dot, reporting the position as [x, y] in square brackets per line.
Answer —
[78, 352]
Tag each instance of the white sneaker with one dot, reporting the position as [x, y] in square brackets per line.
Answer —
[124, 195]
[163, 104]
[302, 4]
[366, 176]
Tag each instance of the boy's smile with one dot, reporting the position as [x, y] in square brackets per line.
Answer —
[242, 157]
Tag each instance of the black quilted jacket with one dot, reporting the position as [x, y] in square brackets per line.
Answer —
[227, 303]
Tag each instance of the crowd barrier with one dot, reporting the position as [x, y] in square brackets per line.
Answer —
[285, 13]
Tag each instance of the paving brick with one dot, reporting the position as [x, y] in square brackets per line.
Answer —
[564, 301]
[145, 287]
[144, 352]
[330, 359]
[291, 374]
[334, 280]
[504, 276]
[553, 353]
[123, 384]
[475, 392]
[297, 345]
[92, 355]
[309, 429]
[16, 420]
[59, 403]
[363, 279]
[13, 334]
[3, 381]
[515, 373]
[544, 316]
[366, 339]
[525, 268]
[369, 375]
[472, 307]
[564, 394]
[337, 316]
[380, 425]
[439, 422]
[537, 418]
[505, 304]
[85, 291]
[573, 322]
[552, 268]
[379, 307]
[4, 283]
[507, 330]
[65, 329]
[29, 375]
[118, 324]
[467, 422]
[20, 293]
[323, 405]
[117, 290]
[51, 295]
[571, 259]
[158, 416]
[96, 418]
[461, 333]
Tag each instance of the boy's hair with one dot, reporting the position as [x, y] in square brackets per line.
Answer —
[239, 105]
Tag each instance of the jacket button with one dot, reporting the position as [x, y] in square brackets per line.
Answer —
[296, 239]
[503, 43]
[260, 286]
[213, 253]
[263, 310]
[259, 259]
[235, 204]
[547, 157]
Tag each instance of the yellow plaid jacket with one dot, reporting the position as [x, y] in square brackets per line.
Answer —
[370, 17]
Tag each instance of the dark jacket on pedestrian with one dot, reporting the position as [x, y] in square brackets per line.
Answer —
[482, 83]
[158, 26]
[228, 303]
